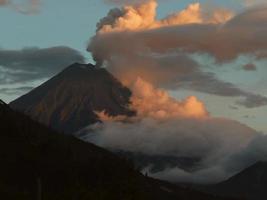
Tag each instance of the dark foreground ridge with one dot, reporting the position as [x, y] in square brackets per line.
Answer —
[37, 163]
[68, 101]
[250, 183]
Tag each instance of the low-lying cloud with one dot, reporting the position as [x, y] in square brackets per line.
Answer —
[213, 141]
[164, 126]
[223, 147]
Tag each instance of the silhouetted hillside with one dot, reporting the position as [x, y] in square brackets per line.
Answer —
[67, 101]
[250, 183]
[37, 163]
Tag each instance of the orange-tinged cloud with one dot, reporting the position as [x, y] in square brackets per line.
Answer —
[151, 49]
[148, 51]
[133, 17]
[195, 13]
[157, 104]
[143, 17]
[153, 103]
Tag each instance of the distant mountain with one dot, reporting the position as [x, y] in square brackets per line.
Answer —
[67, 101]
[250, 183]
[37, 163]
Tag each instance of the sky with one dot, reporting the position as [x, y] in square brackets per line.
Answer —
[59, 31]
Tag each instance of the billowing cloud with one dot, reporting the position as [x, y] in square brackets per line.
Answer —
[146, 54]
[24, 66]
[142, 16]
[156, 103]
[132, 43]
[243, 34]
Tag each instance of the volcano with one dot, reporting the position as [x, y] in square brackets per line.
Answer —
[68, 101]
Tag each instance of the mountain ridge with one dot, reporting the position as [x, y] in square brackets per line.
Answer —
[57, 104]
[39, 163]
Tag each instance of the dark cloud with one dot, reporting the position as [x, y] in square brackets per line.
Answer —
[29, 64]
[250, 67]
[15, 91]
[252, 101]
[208, 83]
[3, 2]
[26, 7]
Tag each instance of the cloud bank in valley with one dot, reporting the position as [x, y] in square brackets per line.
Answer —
[164, 126]
[167, 127]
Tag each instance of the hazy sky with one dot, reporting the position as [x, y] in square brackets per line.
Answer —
[69, 24]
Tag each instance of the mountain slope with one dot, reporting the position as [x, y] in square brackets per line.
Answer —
[37, 163]
[68, 101]
[250, 183]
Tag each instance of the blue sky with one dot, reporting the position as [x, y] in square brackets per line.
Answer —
[72, 22]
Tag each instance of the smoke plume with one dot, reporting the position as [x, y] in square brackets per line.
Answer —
[131, 42]
[142, 16]
[150, 55]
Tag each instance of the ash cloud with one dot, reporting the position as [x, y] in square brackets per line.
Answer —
[131, 42]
